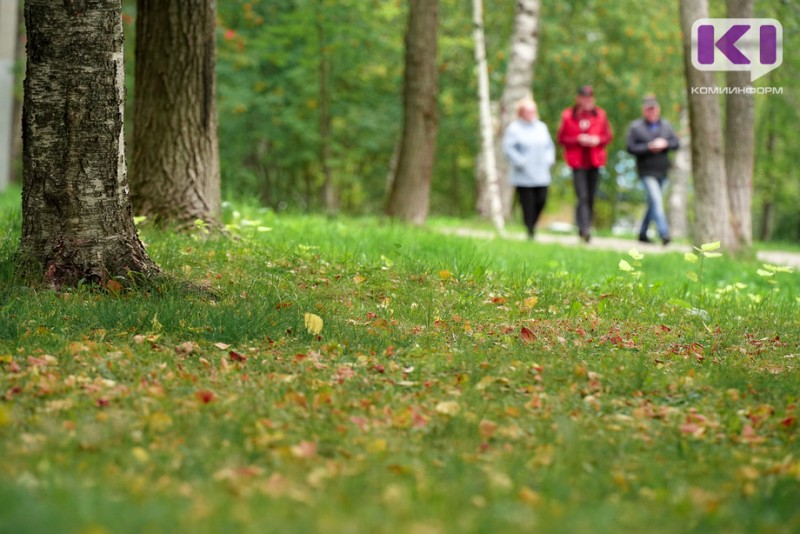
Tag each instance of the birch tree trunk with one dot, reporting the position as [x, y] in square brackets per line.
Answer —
[487, 139]
[409, 198]
[175, 163]
[8, 47]
[518, 85]
[679, 178]
[77, 222]
[712, 212]
[740, 117]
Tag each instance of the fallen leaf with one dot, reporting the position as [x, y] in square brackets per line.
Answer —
[448, 408]
[313, 323]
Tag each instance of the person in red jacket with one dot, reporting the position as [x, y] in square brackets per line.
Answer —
[584, 133]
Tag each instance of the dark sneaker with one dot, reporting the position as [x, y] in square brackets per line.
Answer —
[645, 239]
[666, 240]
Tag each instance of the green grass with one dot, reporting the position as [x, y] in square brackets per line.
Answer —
[457, 385]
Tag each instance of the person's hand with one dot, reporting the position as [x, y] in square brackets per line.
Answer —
[588, 139]
[658, 144]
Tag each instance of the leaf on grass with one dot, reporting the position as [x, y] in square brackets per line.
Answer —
[448, 408]
[635, 254]
[222, 346]
[305, 450]
[236, 357]
[625, 266]
[205, 396]
[358, 279]
[527, 335]
[313, 323]
[708, 247]
[113, 286]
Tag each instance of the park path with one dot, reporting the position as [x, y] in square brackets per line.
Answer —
[774, 257]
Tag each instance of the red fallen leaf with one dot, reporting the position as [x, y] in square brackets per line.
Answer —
[789, 421]
[236, 357]
[205, 396]
[527, 335]
[101, 403]
[389, 352]
[379, 368]
[499, 300]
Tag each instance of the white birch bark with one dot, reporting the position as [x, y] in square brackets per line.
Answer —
[518, 86]
[8, 42]
[77, 222]
[487, 139]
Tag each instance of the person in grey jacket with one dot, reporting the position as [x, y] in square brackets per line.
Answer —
[650, 139]
[530, 152]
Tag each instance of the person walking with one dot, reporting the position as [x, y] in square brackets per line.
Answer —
[584, 133]
[530, 152]
[650, 138]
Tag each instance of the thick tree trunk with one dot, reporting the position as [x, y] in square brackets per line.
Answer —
[8, 47]
[487, 139]
[409, 198]
[175, 166]
[518, 85]
[712, 211]
[76, 215]
[679, 178]
[740, 117]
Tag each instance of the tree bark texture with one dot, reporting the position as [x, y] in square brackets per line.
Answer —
[518, 85]
[712, 212]
[8, 46]
[492, 189]
[175, 164]
[740, 118]
[409, 198]
[77, 222]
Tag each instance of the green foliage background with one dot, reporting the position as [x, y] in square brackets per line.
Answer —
[269, 100]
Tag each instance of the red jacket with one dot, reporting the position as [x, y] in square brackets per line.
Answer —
[592, 122]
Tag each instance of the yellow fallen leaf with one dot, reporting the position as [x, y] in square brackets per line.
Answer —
[313, 323]
[448, 407]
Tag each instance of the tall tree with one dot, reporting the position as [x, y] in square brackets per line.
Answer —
[8, 46]
[680, 177]
[409, 197]
[77, 222]
[492, 186]
[518, 85]
[712, 211]
[740, 116]
[175, 163]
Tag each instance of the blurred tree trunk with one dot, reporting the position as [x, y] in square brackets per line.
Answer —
[712, 211]
[8, 48]
[492, 188]
[16, 134]
[409, 198]
[325, 116]
[518, 85]
[77, 222]
[679, 178]
[175, 163]
[740, 117]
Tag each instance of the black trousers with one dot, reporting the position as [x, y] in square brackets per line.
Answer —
[585, 181]
[532, 200]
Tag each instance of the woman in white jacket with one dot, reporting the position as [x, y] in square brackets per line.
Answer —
[530, 151]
